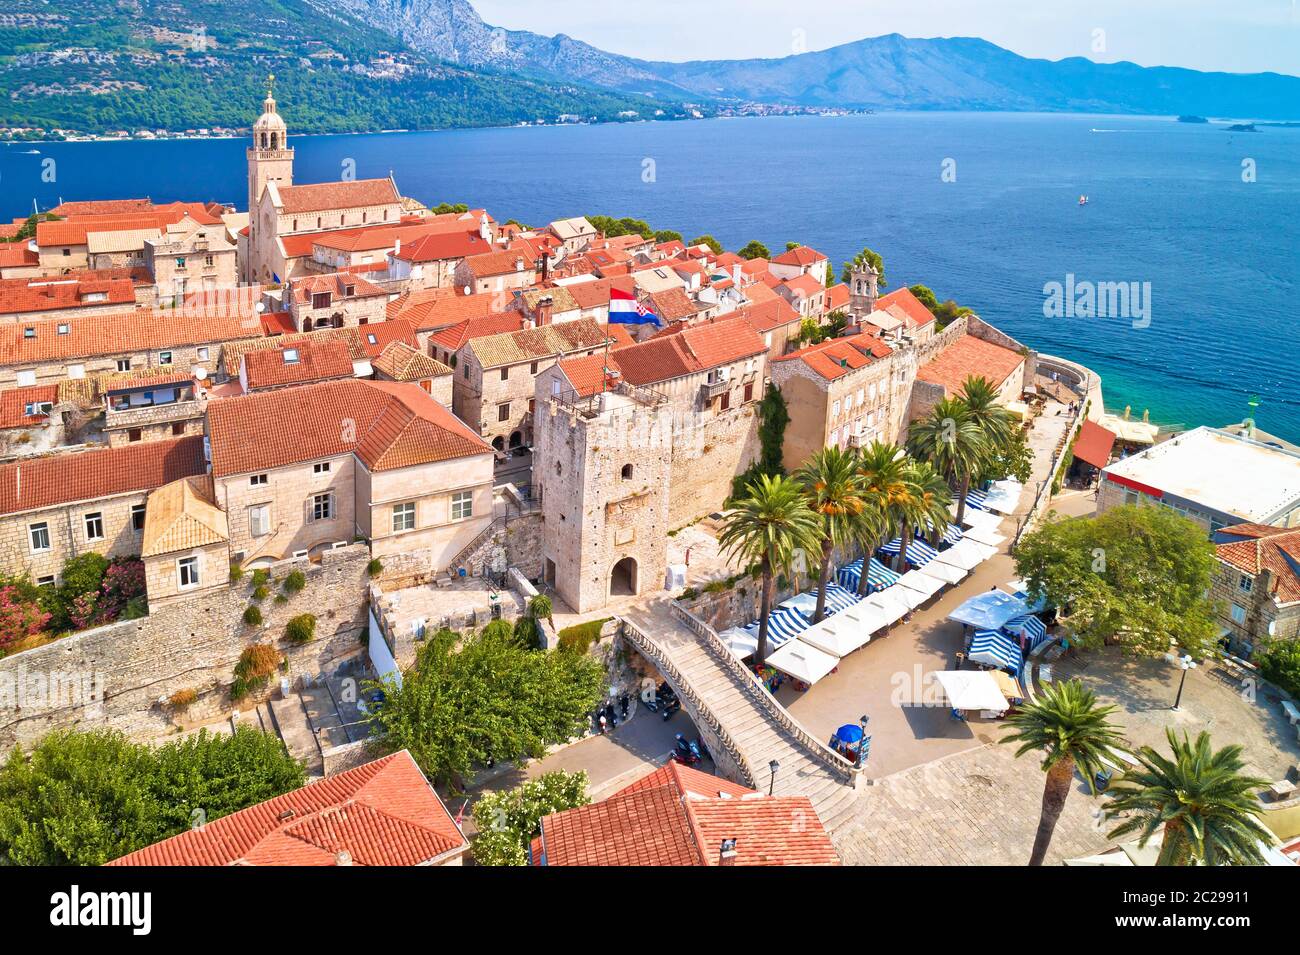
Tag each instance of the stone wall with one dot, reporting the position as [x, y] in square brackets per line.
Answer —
[118, 675]
[708, 451]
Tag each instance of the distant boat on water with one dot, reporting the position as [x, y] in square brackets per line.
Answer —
[1083, 200]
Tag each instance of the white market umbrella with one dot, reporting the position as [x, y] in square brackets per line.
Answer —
[803, 661]
[943, 572]
[838, 635]
[971, 690]
[923, 584]
[985, 535]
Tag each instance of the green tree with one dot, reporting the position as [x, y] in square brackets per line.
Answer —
[1200, 796]
[708, 240]
[85, 798]
[465, 702]
[949, 439]
[833, 488]
[81, 577]
[933, 501]
[755, 250]
[925, 295]
[771, 526]
[980, 396]
[865, 257]
[1069, 729]
[667, 235]
[773, 417]
[1133, 575]
[1279, 662]
[881, 468]
[508, 821]
[1014, 459]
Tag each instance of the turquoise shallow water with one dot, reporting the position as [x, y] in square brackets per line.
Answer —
[1168, 206]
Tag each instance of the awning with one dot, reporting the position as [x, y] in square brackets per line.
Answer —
[994, 648]
[985, 535]
[803, 661]
[951, 534]
[740, 642]
[919, 553]
[923, 584]
[944, 572]
[982, 519]
[837, 598]
[971, 690]
[989, 610]
[1131, 432]
[1004, 496]
[782, 625]
[966, 555]
[975, 499]
[878, 575]
[1033, 629]
[1008, 686]
[1094, 444]
[870, 617]
[839, 635]
[891, 607]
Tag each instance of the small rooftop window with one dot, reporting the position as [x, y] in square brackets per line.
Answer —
[29, 332]
[290, 356]
[63, 329]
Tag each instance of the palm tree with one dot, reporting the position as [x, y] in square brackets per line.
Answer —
[908, 510]
[935, 499]
[833, 488]
[1207, 806]
[768, 527]
[950, 439]
[1067, 726]
[881, 467]
[980, 396]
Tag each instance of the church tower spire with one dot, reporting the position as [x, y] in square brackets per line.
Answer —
[270, 160]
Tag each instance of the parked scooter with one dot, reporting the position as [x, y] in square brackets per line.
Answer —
[686, 752]
[623, 703]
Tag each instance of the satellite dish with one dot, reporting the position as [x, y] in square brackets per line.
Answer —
[468, 290]
[260, 307]
[200, 373]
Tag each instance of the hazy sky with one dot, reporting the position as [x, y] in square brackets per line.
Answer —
[1241, 36]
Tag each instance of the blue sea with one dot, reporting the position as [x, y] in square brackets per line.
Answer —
[981, 207]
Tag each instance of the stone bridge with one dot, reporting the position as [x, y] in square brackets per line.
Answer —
[738, 719]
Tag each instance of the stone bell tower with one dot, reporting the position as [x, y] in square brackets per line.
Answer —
[863, 286]
[270, 159]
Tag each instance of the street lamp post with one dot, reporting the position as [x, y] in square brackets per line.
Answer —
[773, 766]
[1185, 663]
[862, 743]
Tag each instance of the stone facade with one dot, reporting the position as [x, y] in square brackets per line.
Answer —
[198, 260]
[199, 355]
[1248, 614]
[119, 676]
[112, 526]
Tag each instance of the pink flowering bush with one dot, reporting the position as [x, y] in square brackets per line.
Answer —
[20, 617]
[123, 584]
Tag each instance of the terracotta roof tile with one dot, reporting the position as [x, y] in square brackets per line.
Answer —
[802, 256]
[451, 339]
[47, 294]
[432, 309]
[297, 363]
[548, 341]
[838, 356]
[400, 362]
[912, 310]
[505, 262]
[89, 475]
[15, 401]
[182, 515]
[381, 813]
[968, 356]
[363, 342]
[322, 196]
[1262, 547]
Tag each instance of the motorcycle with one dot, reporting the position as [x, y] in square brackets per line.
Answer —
[623, 703]
[686, 752]
[671, 706]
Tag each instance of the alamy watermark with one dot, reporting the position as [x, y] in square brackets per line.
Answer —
[45, 690]
[1081, 298]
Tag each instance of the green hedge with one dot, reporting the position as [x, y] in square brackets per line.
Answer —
[581, 636]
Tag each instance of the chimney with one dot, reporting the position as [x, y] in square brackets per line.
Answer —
[546, 265]
[343, 857]
[545, 305]
[397, 247]
[519, 264]
[727, 854]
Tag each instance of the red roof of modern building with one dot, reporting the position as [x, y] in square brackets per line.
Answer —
[15, 402]
[296, 364]
[323, 196]
[902, 304]
[679, 816]
[1254, 548]
[383, 813]
[56, 479]
[392, 425]
[969, 356]
[802, 256]
[1093, 445]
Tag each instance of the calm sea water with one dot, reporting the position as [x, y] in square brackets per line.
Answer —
[1168, 206]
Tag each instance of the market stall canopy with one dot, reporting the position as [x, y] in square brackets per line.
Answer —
[878, 575]
[967, 555]
[989, 610]
[1130, 432]
[890, 606]
[971, 690]
[919, 552]
[741, 643]
[944, 572]
[839, 635]
[1094, 444]
[1004, 496]
[872, 617]
[803, 661]
[985, 535]
[1007, 684]
[923, 584]
[981, 519]
[782, 625]
[994, 648]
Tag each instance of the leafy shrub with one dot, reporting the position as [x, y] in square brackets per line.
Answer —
[508, 821]
[261, 577]
[182, 698]
[81, 575]
[253, 615]
[236, 573]
[1279, 663]
[375, 567]
[300, 629]
[21, 616]
[257, 663]
[261, 592]
[295, 582]
[281, 599]
[579, 638]
[123, 585]
[238, 689]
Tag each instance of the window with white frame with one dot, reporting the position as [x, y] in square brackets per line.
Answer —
[203, 353]
[259, 520]
[462, 505]
[187, 572]
[46, 581]
[404, 517]
[1238, 614]
[124, 364]
[321, 467]
[322, 507]
[95, 526]
[258, 480]
[1245, 584]
[39, 536]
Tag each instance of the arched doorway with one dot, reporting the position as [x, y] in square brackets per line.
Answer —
[622, 579]
[499, 443]
[516, 439]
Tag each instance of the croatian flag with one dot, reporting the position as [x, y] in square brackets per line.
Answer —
[624, 309]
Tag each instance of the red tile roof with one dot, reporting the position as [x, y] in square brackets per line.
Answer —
[969, 356]
[383, 813]
[452, 338]
[593, 294]
[764, 316]
[102, 207]
[336, 284]
[1093, 445]
[688, 349]
[323, 196]
[804, 286]
[388, 425]
[315, 361]
[673, 304]
[1260, 547]
[504, 262]
[678, 816]
[14, 402]
[442, 245]
[20, 296]
[902, 304]
[74, 229]
[14, 255]
[432, 309]
[838, 356]
[802, 256]
[90, 475]
[837, 298]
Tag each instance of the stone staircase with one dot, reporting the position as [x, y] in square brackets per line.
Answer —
[718, 692]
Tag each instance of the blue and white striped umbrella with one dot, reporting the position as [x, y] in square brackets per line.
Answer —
[840, 598]
[951, 534]
[878, 575]
[782, 625]
[919, 553]
[1030, 627]
[996, 649]
[976, 499]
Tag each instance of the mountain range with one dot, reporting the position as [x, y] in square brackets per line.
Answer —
[365, 65]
